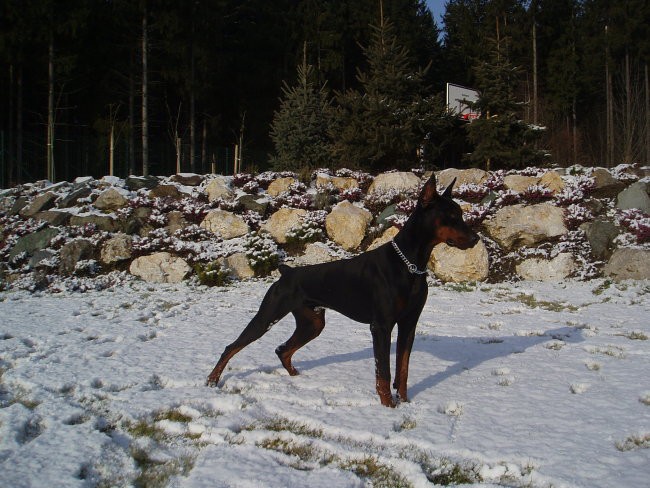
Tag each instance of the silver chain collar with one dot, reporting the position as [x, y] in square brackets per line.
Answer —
[413, 269]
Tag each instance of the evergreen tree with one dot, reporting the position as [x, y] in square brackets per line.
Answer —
[300, 127]
[383, 125]
[499, 137]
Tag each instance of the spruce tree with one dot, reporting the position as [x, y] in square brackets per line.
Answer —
[499, 136]
[300, 127]
[383, 124]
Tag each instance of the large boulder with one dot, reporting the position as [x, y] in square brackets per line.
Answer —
[526, 225]
[400, 181]
[471, 176]
[102, 222]
[78, 192]
[519, 183]
[187, 179]
[553, 181]
[557, 269]
[33, 242]
[281, 221]
[280, 185]
[388, 235]
[628, 263]
[634, 196]
[53, 217]
[160, 267]
[342, 183]
[456, 265]
[315, 253]
[217, 189]
[605, 184]
[347, 224]
[166, 191]
[111, 199]
[135, 183]
[40, 203]
[72, 252]
[226, 224]
[117, 248]
[601, 235]
[238, 266]
[254, 203]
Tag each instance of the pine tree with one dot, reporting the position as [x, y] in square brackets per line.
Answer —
[300, 127]
[499, 136]
[384, 124]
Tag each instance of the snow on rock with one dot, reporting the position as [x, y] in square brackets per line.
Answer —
[160, 267]
[280, 222]
[557, 269]
[471, 176]
[526, 225]
[397, 181]
[281, 185]
[347, 224]
[225, 224]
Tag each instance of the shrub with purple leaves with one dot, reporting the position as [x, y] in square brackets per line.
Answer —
[495, 179]
[251, 187]
[637, 223]
[506, 197]
[253, 219]
[240, 179]
[576, 190]
[536, 193]
[575, 214]
[406, 206]
[352, 194]
[471, 192]
[476, 214]
[377, 201]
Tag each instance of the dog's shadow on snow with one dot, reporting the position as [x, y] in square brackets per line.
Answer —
[464, 353]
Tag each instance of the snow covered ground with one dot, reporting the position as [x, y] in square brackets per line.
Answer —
[525, 384]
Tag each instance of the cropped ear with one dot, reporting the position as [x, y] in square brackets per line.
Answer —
[429, 192]
[447, 192]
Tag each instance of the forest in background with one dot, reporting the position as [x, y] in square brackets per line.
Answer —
[92, 87]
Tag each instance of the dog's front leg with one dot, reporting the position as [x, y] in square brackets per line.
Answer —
[381, 347]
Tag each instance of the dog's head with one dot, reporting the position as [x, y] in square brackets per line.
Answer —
[444, 217]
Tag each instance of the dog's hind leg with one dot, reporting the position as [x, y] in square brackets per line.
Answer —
[309, 324]
[276, 304]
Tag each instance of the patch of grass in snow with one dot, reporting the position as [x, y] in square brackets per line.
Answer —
[462, 287]
[279, 424]
[172, 416]
[612, 351]
[367, 467]
[635, 336]
[378, 474]
[142, 428]
[602, 287]
[634, 442]
[446, 473]
[407, 423]
[531, 302]
[157, 474]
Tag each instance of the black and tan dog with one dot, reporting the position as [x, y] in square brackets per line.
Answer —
[382, 287]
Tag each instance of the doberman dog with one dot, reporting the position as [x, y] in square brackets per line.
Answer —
[381, 287]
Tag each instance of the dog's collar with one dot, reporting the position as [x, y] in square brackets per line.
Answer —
[413, 269]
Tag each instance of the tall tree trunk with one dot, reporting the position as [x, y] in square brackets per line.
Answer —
[627, 124]
[19, 126]
[647, 114]
[204, 144]
[11, 133]
[145, 117]
[534, 6]
[131, 167]
[609, 107]
[192, 102]
[50, 106]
